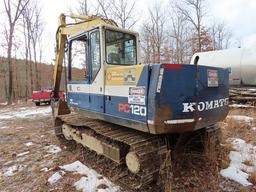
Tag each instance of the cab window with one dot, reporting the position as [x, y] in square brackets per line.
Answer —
[120, 48]
[78, 59]
[95, 53]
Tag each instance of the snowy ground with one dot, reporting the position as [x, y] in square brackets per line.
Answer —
[242, 162]
[31, 158]
[244, 118]
[241, 106]
[239, 139]
[24, 112]
[90, 180]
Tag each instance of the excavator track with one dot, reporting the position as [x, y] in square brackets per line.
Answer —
[141, 159]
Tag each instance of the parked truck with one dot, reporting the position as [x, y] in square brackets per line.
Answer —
[44, 96]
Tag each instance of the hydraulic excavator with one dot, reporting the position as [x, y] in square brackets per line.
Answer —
[126, 111]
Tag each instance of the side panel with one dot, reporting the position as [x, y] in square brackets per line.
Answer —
[126, 92]
[186, 99]
[78, 94]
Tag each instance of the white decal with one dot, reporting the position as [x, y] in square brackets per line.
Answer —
[160, 79]
[136, 99]
[213, 78]
[138, 110]
[180, 121]
[136, 90]
[203, 106]
[137, 95]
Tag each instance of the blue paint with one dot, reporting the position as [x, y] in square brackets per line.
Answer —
[93, 102]
[190, 84]
[185, 85]
[154, 73]
[112, 108]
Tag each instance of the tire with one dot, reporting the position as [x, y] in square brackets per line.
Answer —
[37, 103]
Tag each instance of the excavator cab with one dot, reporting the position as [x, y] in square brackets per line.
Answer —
[90, 54]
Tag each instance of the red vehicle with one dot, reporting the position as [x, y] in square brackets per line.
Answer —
[44, 96]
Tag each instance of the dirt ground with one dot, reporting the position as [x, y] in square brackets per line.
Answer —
[25, 155]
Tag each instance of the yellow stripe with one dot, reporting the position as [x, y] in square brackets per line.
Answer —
[124, 75]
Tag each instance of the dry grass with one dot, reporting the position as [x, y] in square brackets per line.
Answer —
[224, 163]
[233, 128]
[238, 129]
[244, 189]
[252, 178]
[248, 162]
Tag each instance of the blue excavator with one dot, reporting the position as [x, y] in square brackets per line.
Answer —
[126, 111]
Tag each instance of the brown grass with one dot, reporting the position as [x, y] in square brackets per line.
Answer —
[224, 163]
[244, 189]
[248, 162]
[233, 128]
[252, 178]
[102, 186]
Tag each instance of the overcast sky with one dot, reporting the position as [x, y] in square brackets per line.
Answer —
[239, 15]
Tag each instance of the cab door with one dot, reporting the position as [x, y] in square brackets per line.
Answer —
[78, 78]
[96, 72]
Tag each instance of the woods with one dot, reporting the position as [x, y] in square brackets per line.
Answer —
[170, 32]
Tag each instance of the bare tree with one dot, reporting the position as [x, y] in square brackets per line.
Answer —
[220, 35]
[27, 25]
[103, 7]
[153, 34]
[33, 29]
[36, 33]
[194, 12]
[123, 13]
[83, 8]
[13, 11]
[26, 35]
[3, 75]
[180, 34]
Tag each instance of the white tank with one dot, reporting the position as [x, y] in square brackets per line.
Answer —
[241, 61]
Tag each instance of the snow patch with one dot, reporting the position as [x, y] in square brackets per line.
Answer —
[8, 163]
[29, 144]
[246, 119]
[4, 127]
[237, 170]
[55, 177]
[240, 106]
[45, 169]
[24, 112]
[254, 128]
[23, 154]
[76, 166]
[90, 180]
[3, 104]
[10, 171]
[53, 149]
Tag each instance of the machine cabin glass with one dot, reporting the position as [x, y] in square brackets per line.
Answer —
[95, 53]
[120, 48]
[78, 69]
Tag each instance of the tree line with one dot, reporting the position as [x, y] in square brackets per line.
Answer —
[22, 35]
[170, 32]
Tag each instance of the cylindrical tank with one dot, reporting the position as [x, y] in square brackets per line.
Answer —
[241, 61]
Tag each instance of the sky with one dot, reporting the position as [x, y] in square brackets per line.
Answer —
[239, 16]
